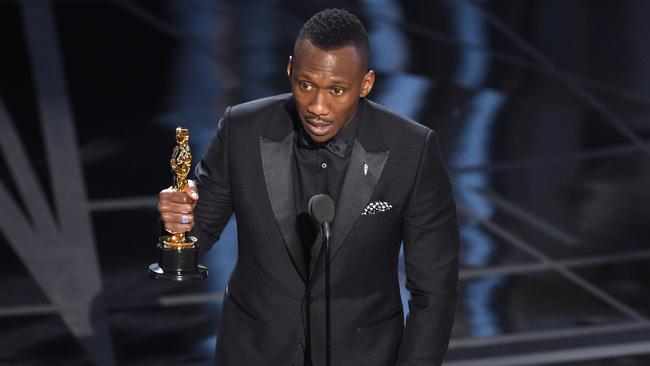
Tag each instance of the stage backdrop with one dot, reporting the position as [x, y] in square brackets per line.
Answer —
[542, 109]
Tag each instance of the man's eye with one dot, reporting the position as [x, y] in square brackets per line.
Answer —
[305, 85]
[337, 90]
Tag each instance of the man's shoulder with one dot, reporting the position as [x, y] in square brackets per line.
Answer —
[259, 106]
[393, 122]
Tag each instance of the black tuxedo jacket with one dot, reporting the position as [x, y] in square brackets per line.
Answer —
[248, 169]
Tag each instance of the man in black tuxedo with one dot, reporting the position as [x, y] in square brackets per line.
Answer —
[388, 180]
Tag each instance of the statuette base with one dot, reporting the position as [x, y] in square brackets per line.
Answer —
[178, 264]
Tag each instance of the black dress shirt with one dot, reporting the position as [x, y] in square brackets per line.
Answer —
[319, 168]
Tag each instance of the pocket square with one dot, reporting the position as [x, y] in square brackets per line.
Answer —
[376, 207]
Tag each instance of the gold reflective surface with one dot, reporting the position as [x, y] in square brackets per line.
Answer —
[180, 162]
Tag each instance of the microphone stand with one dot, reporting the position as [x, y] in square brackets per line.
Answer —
[328, 320]
[321, 209]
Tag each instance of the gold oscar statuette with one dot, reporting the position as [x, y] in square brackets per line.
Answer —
[178, 255]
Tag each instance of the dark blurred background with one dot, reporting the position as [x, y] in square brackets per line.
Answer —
[542, 108]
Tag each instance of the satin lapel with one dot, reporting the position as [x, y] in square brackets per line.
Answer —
[278, 169]
[358, 185]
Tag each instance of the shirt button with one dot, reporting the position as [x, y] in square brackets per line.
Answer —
[324, 165]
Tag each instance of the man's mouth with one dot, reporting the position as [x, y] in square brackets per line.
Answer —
[318, 127]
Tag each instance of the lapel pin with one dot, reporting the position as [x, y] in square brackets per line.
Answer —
[365, 168]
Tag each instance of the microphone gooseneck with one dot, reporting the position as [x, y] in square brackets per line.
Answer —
[321, 209]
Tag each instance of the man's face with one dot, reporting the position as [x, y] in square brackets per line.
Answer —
[326, 87]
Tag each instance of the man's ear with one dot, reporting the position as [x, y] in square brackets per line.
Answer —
[367, 83]
[289, 66]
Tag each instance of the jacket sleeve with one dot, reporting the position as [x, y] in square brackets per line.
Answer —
[431, 244]
[214, 207]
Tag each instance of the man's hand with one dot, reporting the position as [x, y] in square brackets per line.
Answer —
[176, 208]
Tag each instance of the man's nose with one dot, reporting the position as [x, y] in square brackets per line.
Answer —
[319, 104]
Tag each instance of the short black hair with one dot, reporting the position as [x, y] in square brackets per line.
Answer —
[331, 29]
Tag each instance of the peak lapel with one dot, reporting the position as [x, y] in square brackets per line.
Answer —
[363, 174]
[276, 148]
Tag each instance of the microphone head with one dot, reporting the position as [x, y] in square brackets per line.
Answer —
[321, 208]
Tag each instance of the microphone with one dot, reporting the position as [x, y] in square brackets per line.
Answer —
[321, 210]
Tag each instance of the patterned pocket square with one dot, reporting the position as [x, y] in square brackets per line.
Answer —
[376, 207]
